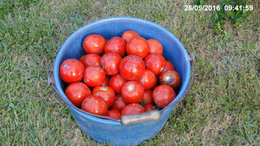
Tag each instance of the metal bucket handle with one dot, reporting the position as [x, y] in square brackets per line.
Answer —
[136, 118]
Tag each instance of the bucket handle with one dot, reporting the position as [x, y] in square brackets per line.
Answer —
[135, 118]
[156, 114]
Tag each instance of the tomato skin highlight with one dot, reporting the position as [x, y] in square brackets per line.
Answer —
[90, 59]
[106, 92]
[163, 95]
[148, 97]
[155, 46]
[148, 107]
[119, 103]
[94, 44]
[133, 108]
[116, 82]
[95, 105]
[71, 70]
[137, 46]
[110, 62]
[171, 78]
[114, 114]
[94, 76]
[148, 80]
[128, 35]
[168, 66]
[132, 67]
[115, 45]
[155, 63]
[77, 92]
[132, 92]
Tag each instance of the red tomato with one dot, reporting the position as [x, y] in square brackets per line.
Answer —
[116, 83]
[119, 103]
[133, 108]
[128, 35]
[106, 82]
[94, 76]
[95, 105]
[114, 114]
[148, 107]
[168, 66]
[94, 43]
[77, 92]
[148, 97]
[132, 92]
[148, 80]
[132, 67]
[171, 78]
[110, 62]
[90, 59]
[115, 45]
[71, 70]
[163, 95]
[137, 46]
[155, 46]
[155, 63]
[106, 92]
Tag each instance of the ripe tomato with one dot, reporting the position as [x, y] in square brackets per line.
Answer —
[106, 92]
[148, 107]
[132, 92]
[148, 97]
[132, 67]
[116, 82]
[168, 66]
[128, 35]
[94, 43]
[94, 76]
[115, 45]
[155, 46]
[90, 59]
[114, 114]
[155, 63]
[137, 46]
[163, 95]
[95, 105]
[71, 70]
[119, 103]
[171, 78]
[110, 62]
[77, 92]
[148, 80]
[106, 82]
[133, 108]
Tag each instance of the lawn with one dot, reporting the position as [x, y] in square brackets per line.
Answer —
[222, 107]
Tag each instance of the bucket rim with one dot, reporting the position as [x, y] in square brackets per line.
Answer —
[106, 20]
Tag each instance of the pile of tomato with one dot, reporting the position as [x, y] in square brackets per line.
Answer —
[121, 76]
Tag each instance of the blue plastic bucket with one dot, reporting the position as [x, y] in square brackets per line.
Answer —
[108, 131]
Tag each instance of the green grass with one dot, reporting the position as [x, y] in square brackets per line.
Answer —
[222, 107]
